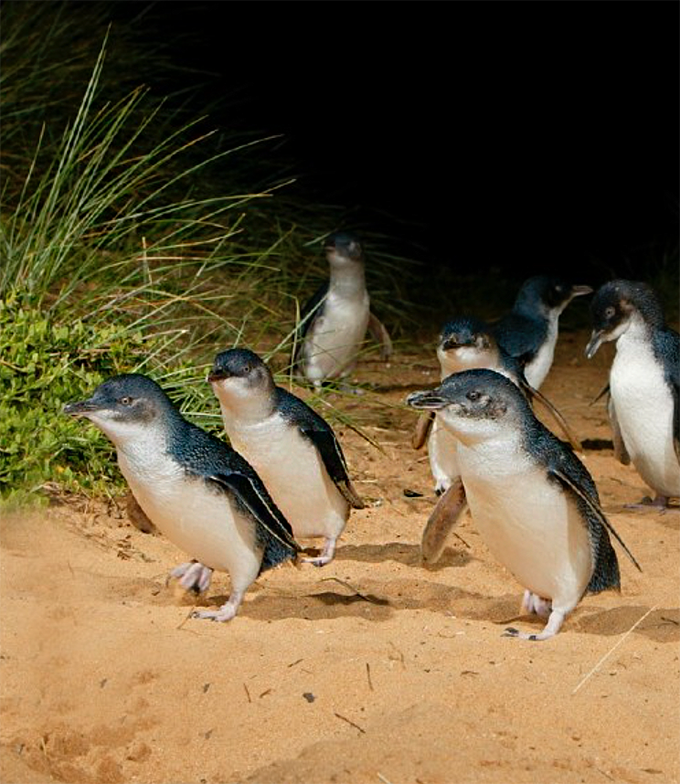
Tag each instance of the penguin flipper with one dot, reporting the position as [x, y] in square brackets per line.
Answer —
[593, 506]
[442, 521]
[253, 495]
[380, 335]
[334, 461]
[422, 429]
[620, 451]
[314, 427]
[532, 393]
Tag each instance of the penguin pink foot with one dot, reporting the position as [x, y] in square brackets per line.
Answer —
[193, 576]
[326, 555]
[660, 502]
[553, 626]
[226, 612]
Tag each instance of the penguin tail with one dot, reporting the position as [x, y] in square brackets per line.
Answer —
[606, 575]
[276, 553]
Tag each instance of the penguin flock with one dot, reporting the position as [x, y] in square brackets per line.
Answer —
[245, 507]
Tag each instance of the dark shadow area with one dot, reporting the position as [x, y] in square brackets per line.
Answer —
[407, 554]
[663, 625]
[378, 600]
[325, 605]
[597, 444]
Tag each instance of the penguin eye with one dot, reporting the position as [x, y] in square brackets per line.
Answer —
[609, 312]
[474, 395]
[125, 401]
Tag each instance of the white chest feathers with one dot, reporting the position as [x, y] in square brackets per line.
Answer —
[293, 473]
[530, 525]
[537, 370]
[335, 337]
[644, 410]
[200, 520]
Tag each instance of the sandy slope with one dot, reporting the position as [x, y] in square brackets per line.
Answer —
[371, 670]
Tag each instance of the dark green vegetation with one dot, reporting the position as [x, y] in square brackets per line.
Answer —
[133, 239]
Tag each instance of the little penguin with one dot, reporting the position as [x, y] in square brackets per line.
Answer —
[529, 331]
[202, 495]
[293, 448]
[532, 500]
[643, 382]
[334, 321]
[466, 343]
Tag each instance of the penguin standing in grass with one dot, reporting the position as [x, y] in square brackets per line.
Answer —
[293, 449]
[529, 332]
[532, 500]
[203, 496]
[644, 383]
[334, 321]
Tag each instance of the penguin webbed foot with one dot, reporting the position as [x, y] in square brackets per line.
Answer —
[192, 576]
[660, 502]
[325, 556]
[225, 613]
[553, 626]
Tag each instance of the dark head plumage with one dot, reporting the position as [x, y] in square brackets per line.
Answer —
[343, 245]
[474, 394]
[241, 363]
[615, 304]
[466, 331]
[544, 293]
[130, 398]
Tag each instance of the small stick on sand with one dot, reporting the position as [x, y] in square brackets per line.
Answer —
[611, 650]
[356, 726]
[368, 675]
[186, 618]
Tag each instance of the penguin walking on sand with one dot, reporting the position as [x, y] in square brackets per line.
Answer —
[466, 343]
[532, 500]
[644, 383]
[334, 321]
[529, 332]
[203, 496]
[293, 449]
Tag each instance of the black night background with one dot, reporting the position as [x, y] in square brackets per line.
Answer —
[518, 136]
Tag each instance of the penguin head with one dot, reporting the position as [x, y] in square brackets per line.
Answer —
[237, 375]
[474, 405]
[466, 343]
[616, 305]
[547, 294]
[343, 249]
[125, 406]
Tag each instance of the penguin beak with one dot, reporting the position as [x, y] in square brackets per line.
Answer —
[80, 409]
[580, 291]
[594, 343]
[452, 343]
[217, 375]
[456, 341]
[428, 400]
